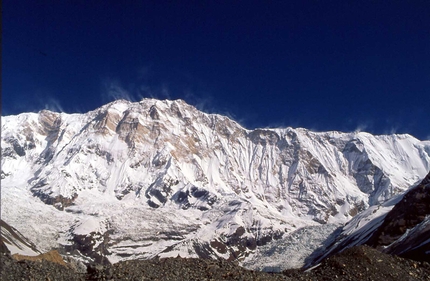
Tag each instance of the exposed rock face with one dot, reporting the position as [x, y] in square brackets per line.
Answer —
[401, 226]
[172, 180]
[3, 248]
[60, 202]
[408, 213]
[13, 239]
[93, 246]
[50, 122]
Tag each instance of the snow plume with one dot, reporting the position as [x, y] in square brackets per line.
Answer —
[361, 128]
[34, 104]
[53, 105]
[159, 88]
[113, 90]
[391, 131]
[154, 83]
[203, 102]
[159, 92]
[45, 100]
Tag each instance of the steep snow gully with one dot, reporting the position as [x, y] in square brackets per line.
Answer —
[161, 179]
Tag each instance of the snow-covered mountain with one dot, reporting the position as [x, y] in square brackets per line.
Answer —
[161, 178]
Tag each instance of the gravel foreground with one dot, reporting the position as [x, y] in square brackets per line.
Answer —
[358, 263]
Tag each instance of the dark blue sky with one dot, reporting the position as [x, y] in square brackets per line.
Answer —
[323, 65]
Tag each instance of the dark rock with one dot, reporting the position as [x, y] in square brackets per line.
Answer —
[263, 137]
[406, 214]
[60, 202]
[357, 263]
[3, 248]
[364, 263]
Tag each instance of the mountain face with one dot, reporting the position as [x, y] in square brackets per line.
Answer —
[160, 178]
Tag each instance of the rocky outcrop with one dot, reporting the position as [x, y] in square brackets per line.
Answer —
[405, 216]
[409, 212]
[51, 256]
[60, 202]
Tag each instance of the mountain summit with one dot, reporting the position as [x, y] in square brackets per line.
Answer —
[161, 178]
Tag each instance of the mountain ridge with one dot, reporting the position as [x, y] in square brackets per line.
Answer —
[231, 190]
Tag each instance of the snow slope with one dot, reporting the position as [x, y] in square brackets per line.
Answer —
[160, 178]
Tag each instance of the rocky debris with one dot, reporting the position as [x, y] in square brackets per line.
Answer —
[357, 263]
[35, 270]
[364, 263]
[178, 269]
[76, 264]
